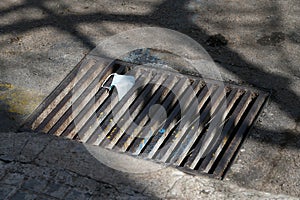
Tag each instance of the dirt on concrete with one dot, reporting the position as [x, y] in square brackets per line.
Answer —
[254, 43]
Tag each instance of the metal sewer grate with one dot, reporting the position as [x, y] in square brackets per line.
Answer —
[80, 109]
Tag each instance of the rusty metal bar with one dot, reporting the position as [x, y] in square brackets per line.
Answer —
[98, 115]
[85, 99]
[133, 131]
[89, 109]
[197, 122]
[182, 132]
[239, 136]
[194, 135]
[121, 125]
[95, 130]
[169, 103]
[233, 120]
[55, 97]
[202, 98]
[71, 97]
[210, 134]
[235, 94]
[173, 118]
[136, 107]
[185, 99]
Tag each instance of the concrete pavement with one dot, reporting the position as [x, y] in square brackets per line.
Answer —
[40, 166]
[41, 41]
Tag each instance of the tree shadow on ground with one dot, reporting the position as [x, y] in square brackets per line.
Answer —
[173, 14]
[170, 14]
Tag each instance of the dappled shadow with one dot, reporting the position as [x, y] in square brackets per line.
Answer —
[9, 121]
[174, 15]
[72, 167]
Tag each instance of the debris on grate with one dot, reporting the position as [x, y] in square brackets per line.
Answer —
[165, 117]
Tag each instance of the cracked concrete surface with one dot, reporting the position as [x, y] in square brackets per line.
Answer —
[41, 41]
[38, 171]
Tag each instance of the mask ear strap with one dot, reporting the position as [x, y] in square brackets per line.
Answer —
[109, 88]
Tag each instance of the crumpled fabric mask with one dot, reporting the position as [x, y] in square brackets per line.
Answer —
[123, 84]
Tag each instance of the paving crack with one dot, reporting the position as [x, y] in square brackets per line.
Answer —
[5, 160]
[25, 144]
[120, 188]
[173, 185]
[42, 151]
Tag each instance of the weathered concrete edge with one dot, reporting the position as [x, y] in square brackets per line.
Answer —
[61, 154]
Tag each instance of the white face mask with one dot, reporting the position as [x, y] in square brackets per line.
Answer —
[123, 84]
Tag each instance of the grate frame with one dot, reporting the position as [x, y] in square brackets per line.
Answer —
[82, 87]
